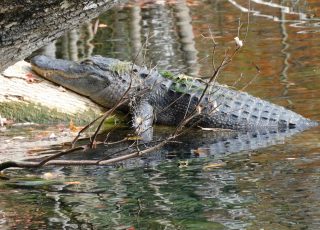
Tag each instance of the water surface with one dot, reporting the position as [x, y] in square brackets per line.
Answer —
[192, 186]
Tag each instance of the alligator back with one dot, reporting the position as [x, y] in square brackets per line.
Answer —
[239, 110]
[222, 107]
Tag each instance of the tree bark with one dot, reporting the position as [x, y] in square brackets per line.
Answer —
[25, 26]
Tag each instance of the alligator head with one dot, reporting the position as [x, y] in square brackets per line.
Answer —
[95, 78]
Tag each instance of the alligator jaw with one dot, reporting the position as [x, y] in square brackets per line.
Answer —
[47, 67]
[82, 78]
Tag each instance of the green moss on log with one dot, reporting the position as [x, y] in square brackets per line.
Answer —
[30, 112]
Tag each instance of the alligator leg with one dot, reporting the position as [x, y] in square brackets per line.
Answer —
[142, 120]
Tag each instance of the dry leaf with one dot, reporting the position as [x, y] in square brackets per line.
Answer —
[52, 136]
[74, 128]
[214, 165]
[201, 152]
[61, 89]
[133, 138]
[290, 158]
[101, 25]
[72, 182]
[239, 42]
[30, 78]
[183, 164]
[18, 138]
[49, 176]
[3, 121]
[199, 109]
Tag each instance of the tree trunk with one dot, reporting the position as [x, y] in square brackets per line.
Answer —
[25, 26]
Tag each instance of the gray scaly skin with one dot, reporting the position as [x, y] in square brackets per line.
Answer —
[165, 99]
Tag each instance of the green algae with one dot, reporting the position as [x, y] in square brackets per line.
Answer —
[121, 67]
[183, 83]
[31, 112]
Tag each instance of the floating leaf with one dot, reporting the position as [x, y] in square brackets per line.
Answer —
[201, 152]
[291, 158]
[183, 164]
[214, 166]
[101, 25]
[72, 182]
[49, 176]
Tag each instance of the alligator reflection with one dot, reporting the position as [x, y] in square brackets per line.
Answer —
[197, 143]
[221, 143]
[158, 194]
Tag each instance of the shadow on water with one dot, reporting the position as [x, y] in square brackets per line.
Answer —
[210, 181]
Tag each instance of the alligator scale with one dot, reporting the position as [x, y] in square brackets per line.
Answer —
[161, 98]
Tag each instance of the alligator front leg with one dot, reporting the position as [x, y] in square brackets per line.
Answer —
[142, 120]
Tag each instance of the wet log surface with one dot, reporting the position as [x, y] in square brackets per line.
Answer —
[25, 26]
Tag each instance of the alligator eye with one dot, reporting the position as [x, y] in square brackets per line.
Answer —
[87, 62]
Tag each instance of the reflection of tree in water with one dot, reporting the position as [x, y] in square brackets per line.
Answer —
[166, 30]
[74, 45]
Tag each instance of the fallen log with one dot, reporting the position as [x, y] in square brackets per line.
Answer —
[24, 97]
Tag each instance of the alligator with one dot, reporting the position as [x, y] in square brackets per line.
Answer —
[152, 96]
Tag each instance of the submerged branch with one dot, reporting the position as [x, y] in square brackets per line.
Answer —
[50, 160]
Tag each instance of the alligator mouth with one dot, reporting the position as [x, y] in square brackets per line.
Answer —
[49, 67]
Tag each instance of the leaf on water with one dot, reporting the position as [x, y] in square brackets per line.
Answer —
[183, 164]
[72, 182]
[36, 151]
[291, 158]
[46, 136]
[201, 152]
[18, 138]
[214, 166]
[49, 176]
[101, 25]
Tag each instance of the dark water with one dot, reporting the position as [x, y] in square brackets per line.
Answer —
[268, 182]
